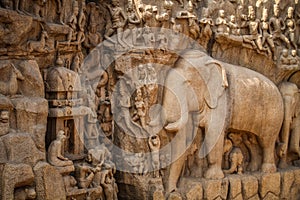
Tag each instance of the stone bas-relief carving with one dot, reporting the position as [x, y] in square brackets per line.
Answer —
[144, 99]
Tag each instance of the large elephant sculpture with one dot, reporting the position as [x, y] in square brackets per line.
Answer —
[218, 98]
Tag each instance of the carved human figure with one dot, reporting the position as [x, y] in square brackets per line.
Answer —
[163, 41]
[81, 24]
[166, 16]
[110, 187]
[73, 23]
[266, 36]
[192, 21]
[131, 30]
[255, 37]
[148, 36]
[39, 8]
[233, 26]
[154, 144]
[92, 37]
[221, 23]
[294, 59]
[206, 24]
[140, 108]
[55, 156]
[291, 27]
[284, 58]
[117, 14]
[19, 6]
[61, 10]
[76, 64]
[277, 25]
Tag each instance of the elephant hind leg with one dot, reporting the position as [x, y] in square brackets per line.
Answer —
[268, 165]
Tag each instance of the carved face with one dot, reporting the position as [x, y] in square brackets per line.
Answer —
[290, 12]
[294, 53]
[276, 10]
[222, 13]
[232, 18]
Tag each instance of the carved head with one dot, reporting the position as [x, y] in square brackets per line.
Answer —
[276, 10]
[294, 53]
[285, 53]
[232, 18]
[61, 135]
[115, 3]
[290, 12]
[221, 13]
[251, 12]
[264, 15]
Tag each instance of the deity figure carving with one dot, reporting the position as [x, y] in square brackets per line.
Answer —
[61, 10]
[255, 37]
[154, 144]
[291, 27]
[92, 37]
[277, 25]
[55, 156]
[39, 8]
[133, 22]
[117, 14]
[192, 21]
[267, 38]
[221, 23]
[233, 26]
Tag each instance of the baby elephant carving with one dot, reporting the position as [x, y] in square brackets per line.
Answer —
[236, 161]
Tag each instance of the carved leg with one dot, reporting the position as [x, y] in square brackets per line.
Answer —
[215, 157]
[268, 165]
[178, 147]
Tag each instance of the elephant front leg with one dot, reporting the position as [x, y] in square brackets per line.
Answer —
[215, 151]
[178, 156]
[268, 165]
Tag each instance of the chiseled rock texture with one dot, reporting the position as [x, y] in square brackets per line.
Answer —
[281, 185]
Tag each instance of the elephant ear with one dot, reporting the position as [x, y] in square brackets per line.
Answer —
[214, 76]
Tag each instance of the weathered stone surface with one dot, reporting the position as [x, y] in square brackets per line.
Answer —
[33, 85]
[235, 187]
[250, 186]
[269, 183]
[12, 176]
[271, 196]
[212, 189]
[20, 148]
[174, 196]
[287, 180]
[31, 117]
[195, 192]
[49, 182]
[19, 26]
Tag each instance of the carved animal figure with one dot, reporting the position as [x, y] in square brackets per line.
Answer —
[289, 93]
[236, 159]
[38, 46]
[10, 87]
[198, 91]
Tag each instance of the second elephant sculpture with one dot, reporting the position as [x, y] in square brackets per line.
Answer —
[218, 98]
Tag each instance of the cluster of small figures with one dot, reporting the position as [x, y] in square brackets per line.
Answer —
[262, 34]
[95, 173]
[289, 61]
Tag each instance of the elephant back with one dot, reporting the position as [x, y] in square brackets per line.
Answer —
[256, 103]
